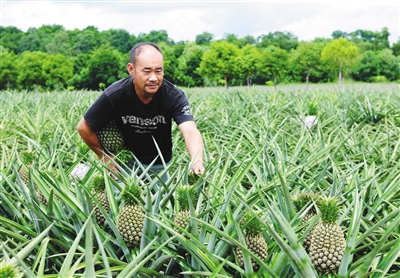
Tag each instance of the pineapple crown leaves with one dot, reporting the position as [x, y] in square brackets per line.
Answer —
[250, 223]
[192, 178]
[132, 193]
[312, 108]
[28, 157]
[183, 193]
[303, 199]
[98, 183]
[329, 209]
[124, 155]
[9, 270]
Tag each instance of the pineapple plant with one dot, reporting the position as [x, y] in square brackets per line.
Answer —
[327, 240]
[255, 241]
[98, 187]
[183, 193]
[300, 201]
[111, 138]
[130, 217]
[9, 271]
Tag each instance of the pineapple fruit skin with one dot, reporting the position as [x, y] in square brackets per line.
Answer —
[327, 247]
[130, 222]
[111, 138]
[306, 219]
[101, 195]
[181, 219]
[257, 245]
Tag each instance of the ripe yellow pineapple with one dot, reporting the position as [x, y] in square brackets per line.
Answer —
[183, 193]
[130, 217]
[98, 187]
[255, 241]
[327, 240]
[300, 201]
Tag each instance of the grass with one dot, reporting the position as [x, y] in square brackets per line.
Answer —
[258, 156]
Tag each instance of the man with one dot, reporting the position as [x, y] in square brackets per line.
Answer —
[142, 107]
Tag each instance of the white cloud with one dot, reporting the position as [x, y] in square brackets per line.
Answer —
[184, 20]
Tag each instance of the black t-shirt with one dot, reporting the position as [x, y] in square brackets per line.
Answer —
[140, 122]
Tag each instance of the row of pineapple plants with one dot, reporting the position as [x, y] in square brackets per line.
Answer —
[256, 163]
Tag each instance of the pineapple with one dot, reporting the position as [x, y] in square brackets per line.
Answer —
[255, 241]
[182, 194]
[98, 190]
[327, 240]
[28, 158]
[300, 201]
[8, 270]
[130, 217]
[111, 138]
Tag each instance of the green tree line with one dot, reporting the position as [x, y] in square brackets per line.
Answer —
[53, 58]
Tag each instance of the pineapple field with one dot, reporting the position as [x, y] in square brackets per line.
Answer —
[280, 197]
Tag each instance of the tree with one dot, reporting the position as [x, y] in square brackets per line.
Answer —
[219, 62]
[204, 38]
[57, 68]
[396, 48]
[31, 69]
[60, 44]
[283, 40]
[306, 57]
[120, 39]
[187, 73]
[367, 67]
[274, 62]
[9, 37]
[87, 40]
[155, 37]
[8, 67]
[340, 53]
[247, 63]
[103, 67]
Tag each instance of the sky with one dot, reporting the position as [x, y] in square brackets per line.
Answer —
[184, 20]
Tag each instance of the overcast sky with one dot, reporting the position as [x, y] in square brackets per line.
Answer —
[183, 20]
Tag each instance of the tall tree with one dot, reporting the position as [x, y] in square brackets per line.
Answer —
[283, 40]
[9, 37]
[103, 67]
[340, 53]
[306, 57]
[57, 69]
[247, 63]
[204, 38]
[31, 69]
[120, 39]
[274, 62]
[87, 40]
[219, 62]
[187, 73]
[8, 67]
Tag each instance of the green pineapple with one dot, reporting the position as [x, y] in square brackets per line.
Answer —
[327, 240]
[182, 196]
[98, 187]
[255, 241]
[9, 271]
[130, 217]
[111, 138]
[28, 157]
[300, 201]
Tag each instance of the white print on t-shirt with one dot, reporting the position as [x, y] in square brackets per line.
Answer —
[130, 119]
[186, 111]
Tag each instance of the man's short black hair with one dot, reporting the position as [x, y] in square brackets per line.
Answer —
[137, 49]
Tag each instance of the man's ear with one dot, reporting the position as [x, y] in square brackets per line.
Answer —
[130, 68]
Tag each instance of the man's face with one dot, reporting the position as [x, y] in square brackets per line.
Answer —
[148, 71]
